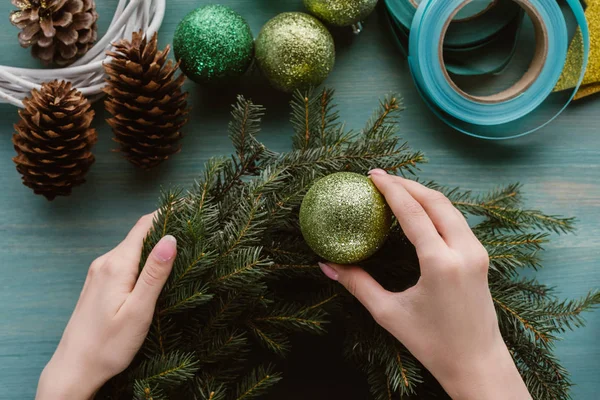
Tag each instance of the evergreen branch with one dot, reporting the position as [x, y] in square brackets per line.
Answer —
[566, 314]
[169, 370]
[386, 114]
[243, 267]
[274, 341]
[544, 377]
[528, 325]
[243, 227]
[256, 383]
[533, 241]
[225, 346]
[199, 264]
[142, 390]
[530, 289]
[245, 125]
[515, 219]
[205, 388]
[189, 297]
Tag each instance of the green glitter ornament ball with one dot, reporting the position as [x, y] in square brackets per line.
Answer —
[213, 44]
[341, 12]
[295, 51]
[344, 218]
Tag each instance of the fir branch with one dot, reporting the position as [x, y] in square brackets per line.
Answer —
[257, 383]
[566, 314]
[292, 316]
[142, 390]
[245, 125]
[544, 377]
[188, 297]
[243, 267]
[243, 228]
[387, 114]
[226, 346]
[168, 371]
[520, 317]
[277, 342]
[206, 388]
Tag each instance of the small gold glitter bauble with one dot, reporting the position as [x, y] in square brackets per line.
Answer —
[340, 12]
[344, 218]
[295, 51]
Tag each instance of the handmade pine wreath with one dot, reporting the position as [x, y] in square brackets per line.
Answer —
[246, 291]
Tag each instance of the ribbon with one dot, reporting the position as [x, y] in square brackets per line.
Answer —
[513, 112]
[481, 40]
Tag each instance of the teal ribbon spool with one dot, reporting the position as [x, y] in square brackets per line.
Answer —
[525, 107]
[481, 40]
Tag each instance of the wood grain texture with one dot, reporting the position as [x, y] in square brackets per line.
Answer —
[47, 247]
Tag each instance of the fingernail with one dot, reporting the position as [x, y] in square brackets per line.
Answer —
[377, 171]
[329, 271]
[166, 249]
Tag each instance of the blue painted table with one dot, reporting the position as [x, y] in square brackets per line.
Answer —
[47, 247]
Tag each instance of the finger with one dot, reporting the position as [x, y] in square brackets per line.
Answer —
[129, 251]
[411, 215]
[448, 221]
[360, 284]
[154, 275]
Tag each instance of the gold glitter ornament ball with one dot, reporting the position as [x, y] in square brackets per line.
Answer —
[340, 12]
[213, 44]
[295, 51]
[344, 218]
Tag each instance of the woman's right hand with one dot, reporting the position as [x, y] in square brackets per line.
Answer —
[447, 320]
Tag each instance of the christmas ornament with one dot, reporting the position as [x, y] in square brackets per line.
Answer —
[294, 50]
[213, 44]
[145, 100]
[54, 139]
[344, 218]
[58, 31]
[341, 12]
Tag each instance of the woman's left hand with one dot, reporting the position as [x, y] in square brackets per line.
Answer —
[111, 319]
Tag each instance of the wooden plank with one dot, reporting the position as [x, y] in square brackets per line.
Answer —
[47, 247]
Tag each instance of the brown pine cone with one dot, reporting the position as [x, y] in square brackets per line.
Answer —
[58, 31]
[54, 139]
[146, 101]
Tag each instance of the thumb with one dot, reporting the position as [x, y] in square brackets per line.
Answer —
[156, 271]
[361, 285]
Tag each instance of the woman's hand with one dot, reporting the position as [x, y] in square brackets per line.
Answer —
[111, 318]
[447, 320]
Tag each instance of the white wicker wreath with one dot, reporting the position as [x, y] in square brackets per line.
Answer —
[87, 73]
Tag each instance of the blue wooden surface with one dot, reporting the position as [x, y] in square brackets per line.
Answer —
[46, 247]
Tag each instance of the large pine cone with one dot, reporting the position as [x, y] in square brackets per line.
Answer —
[147, 104]
[58, 31]
[54, 139]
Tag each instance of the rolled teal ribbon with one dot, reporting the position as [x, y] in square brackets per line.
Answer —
[495, 117]
[481, 42]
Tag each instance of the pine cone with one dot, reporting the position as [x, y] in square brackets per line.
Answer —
[147, 104]
[58, 31]
[54, 139]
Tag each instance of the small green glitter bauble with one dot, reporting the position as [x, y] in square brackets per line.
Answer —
[295, 51]
[213, 44]
[341, 12]
[344, 218]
